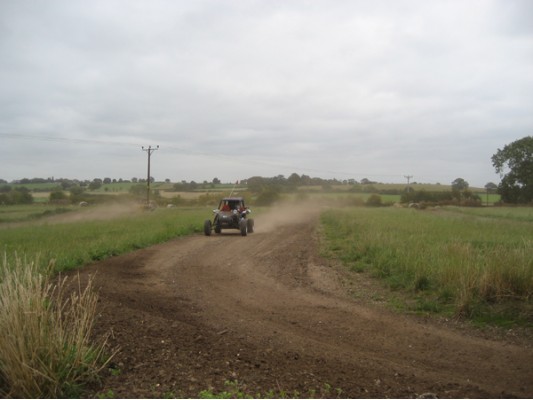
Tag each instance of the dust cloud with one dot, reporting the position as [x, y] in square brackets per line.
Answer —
[286, 213]
[95, 213]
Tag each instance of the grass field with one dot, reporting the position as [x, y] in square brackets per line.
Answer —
[472, 262]
[90, 234]
[25, 212]
[523, 214]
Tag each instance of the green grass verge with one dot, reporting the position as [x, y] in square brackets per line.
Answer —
[72, 244]
[479, 266]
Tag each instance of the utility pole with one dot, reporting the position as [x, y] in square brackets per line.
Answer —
[408, 177]
[149, 151]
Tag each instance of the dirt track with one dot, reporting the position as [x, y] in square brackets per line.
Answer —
[265, 310]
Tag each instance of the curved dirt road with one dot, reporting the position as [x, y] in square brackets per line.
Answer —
[266, 311]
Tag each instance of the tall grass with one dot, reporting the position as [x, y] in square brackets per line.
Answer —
[453, 259]
[45, 349]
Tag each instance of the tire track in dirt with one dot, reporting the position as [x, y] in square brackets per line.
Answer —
[266, 311]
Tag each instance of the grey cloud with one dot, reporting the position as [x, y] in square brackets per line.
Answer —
[374, 87]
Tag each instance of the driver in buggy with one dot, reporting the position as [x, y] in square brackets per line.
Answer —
[231, 206]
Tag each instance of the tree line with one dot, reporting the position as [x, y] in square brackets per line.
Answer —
[514, 163]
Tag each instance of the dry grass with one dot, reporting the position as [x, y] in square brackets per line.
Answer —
[45, 349]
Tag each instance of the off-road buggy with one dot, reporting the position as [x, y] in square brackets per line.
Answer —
[230, 214]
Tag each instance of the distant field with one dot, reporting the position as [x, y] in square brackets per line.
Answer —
[393, 186]
[47, 186]
[383, 186]
[354, 198]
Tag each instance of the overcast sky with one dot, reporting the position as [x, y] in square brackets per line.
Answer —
[233, 89]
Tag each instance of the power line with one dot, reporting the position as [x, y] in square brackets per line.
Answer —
[183, 150]
[233, 157]
[65, 140]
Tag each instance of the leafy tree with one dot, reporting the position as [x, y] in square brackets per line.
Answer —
[65, 184]
[517, 184]
[461, 193]
[459, 185]
[294, 179]
[491, 187]
[256, 184]
[216, 181]
[95, 184]
[305, 180]
[366, 181]
[184, 186]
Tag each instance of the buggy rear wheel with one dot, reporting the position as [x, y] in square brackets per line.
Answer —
[250, 225]
[243, 227]
[207, 227]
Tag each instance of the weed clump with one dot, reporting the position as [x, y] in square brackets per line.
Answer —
[45, 349]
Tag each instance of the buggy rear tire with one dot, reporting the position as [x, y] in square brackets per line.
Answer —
[243, 227]
[207, 227]
[250, 225]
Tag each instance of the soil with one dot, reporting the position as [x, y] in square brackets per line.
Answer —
[268, 312]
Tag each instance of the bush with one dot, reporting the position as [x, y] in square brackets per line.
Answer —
[77, 194]
[45, 349]
[58, 196]
[374, 201]
[419, 196]
[20, 195]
